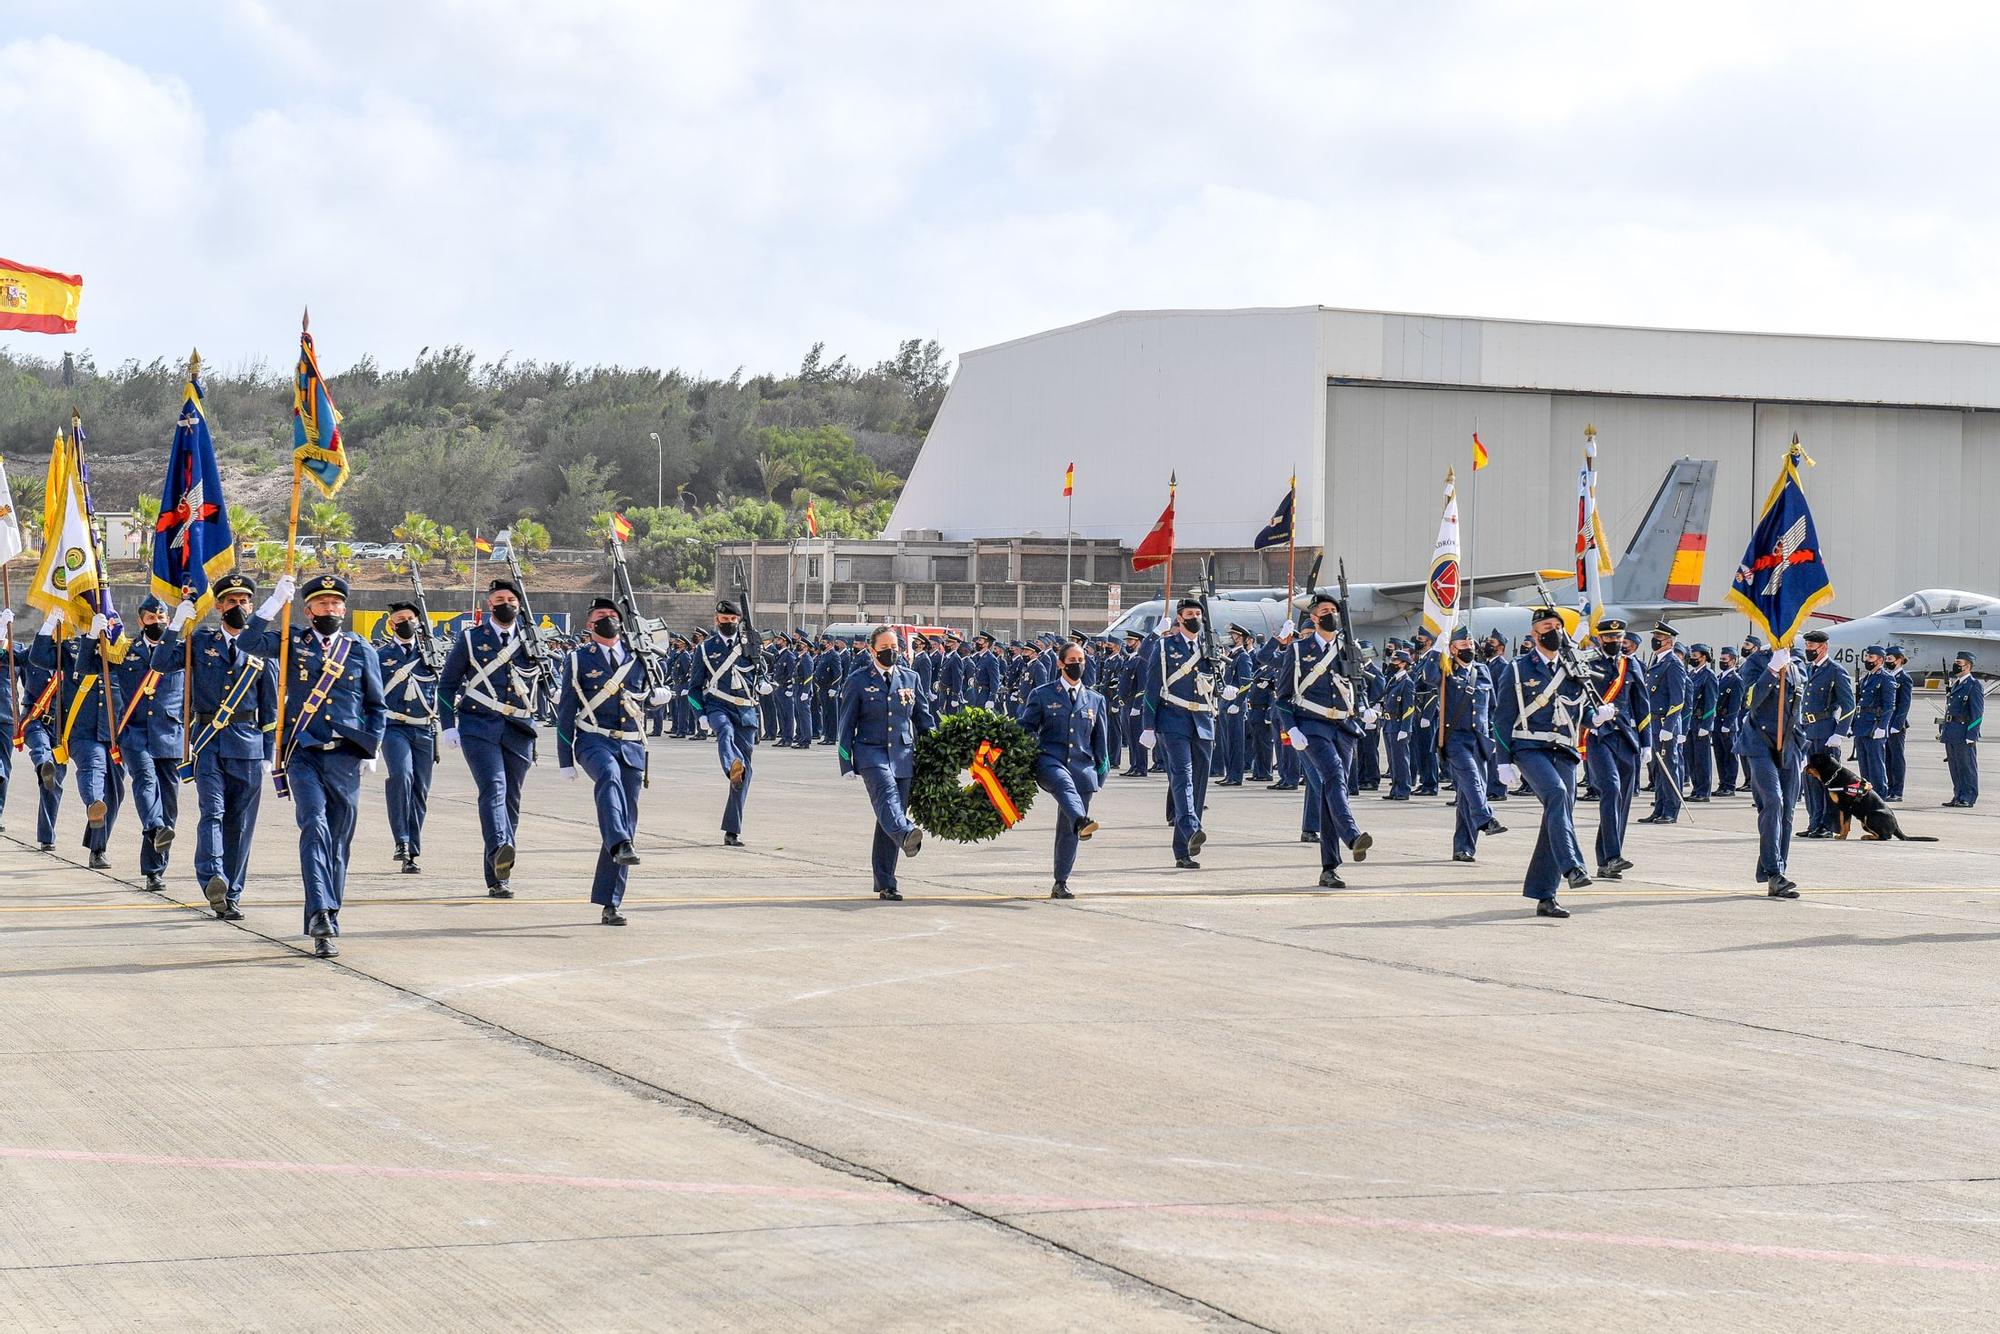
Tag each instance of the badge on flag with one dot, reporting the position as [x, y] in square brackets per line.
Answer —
[10, 522]
[38, 300]
[1441, 587]
[192, 541]
[1278, 532]
[1782, 577]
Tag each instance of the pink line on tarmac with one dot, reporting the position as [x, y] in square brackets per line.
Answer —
[987, 1201]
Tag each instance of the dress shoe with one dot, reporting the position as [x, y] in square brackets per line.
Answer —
[321, 926]
[162, 840]
[1821, 833]
[1392, 796]
[323, 948]
[731, 841]
[736, 773]
[624, 855]
[1308, 838]
[410, 866]
[94, 813]
[1362, 842]
[216, 890]
[402, 852]
[1462, 857]
[1186, 864]
[1061, 890]
[913, 842]
[1575, 878]
[1780, 887]
[1697, 800]
[1607, 873]
[99, 862]
[50, 847]
[611, 917]
[1086, 829]
[1941, 803]
[156, 884]
[230, 913]
[499, 891]
[46, 773]
[1620, 864]
[503, 861]
[891, 895]
[1195, 842]
[1493, 827]
[1330, 879]
[1550, 908]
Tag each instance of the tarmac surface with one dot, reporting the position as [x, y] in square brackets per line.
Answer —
[1220, 1098]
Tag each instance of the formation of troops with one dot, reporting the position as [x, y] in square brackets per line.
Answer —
[1305, 709]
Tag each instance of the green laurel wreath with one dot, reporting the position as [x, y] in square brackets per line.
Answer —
[953, 810]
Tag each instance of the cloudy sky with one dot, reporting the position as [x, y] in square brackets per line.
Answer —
[712, 185]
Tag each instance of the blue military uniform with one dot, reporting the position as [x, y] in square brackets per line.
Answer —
[1399, 711]
[1667, 683]
[150, 681]
[1232, 733]
[1132, 690]
[1612, 756]
[487, 701]
[600, 729]
[409, 742]
[233, 706]
[981, 686]
[1774, 709]
[84, 726]
[1072, 725]
[1827, 716]
[1728, 702]
[1539, 724]
[1896, 762]
[1467, 694]
[1178, 707]
[334, 717]
[37, 730]
[1964, 711]
[1874, 709]
[882, 713]
[1704, 699]
[725, 688]
[1317, 702]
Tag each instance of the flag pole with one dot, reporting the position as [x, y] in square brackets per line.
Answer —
[1167, 595]
[1292, 545]
[285, 627]
[82, 475]
[1465, 547]
[1791, 453]
[187, 591]
[1069, 541]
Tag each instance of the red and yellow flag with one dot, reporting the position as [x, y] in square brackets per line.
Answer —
[38, 300]
[621, 527]
[1479, 456]
[481, 545]
[1069, 480]
[812, 519]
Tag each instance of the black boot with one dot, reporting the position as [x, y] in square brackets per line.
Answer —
[611, 917]
[624, 855]
[1550, 908]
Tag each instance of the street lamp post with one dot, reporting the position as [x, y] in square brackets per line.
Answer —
[659, 471]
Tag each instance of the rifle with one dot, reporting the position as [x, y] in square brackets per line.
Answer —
[636, 630]
[1351, 666]
[1571, 660]
[1211, 652]
[428, 652]
[533, 649]
[746, 627]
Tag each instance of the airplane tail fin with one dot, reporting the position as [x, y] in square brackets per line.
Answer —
[1663, 565]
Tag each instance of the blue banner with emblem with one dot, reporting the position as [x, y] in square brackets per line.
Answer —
[1783, 574]
[192, 543]
[1278, 532]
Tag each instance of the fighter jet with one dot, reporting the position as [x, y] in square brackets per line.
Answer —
[1934, 625]
[1659, 575]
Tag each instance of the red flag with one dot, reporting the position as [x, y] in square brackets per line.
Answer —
[812, 519]
[1158, 548]
[1069, 480]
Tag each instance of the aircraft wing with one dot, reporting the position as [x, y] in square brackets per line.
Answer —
[1490, 584]
[1988, 635]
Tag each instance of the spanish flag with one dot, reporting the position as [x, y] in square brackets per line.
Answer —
[38, 300]
[621, 527]
[812, 519]
[1479, 456]
[481, 545]
[1069, 480]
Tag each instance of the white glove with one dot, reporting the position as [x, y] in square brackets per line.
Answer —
[1881, 732]
[1425, 721]
[272, 605]
[1833, 747]
[1603, 714]
[1403, 735]
[569, 774]
[1645, 757]
[1701, 731]
[1234, 709]
[98, 625]
[52, 619]
[1146, 738]
[1369, 717]
[1167, 625]
[1289, 630]
[373, 763]
[1135, 713]
[1781, 658]
[659, 695]
[1509, 775]
[450, 735]
[183, 613]
[1230, 692]
[1299, 739]
[765, 687]
[6, 619]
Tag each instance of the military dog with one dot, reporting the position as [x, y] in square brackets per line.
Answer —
[1854, 801]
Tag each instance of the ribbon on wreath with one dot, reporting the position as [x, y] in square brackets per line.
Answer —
[981, 769]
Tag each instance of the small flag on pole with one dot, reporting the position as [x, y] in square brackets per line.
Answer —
[192, 541]
[812, 519]
[1278, 532]
[1069, 480]
[1441, 589]
[1480, 458]
[621, 527]
[38, 300]
[10, 522]
[481, 545]
[1158, 548]
[316, 443]
[1782, 577]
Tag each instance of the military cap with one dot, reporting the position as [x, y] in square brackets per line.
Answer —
[322, 584]
[1423, 633]
[1610, 625]
[724, 607]
[1401, 655]
[1755, 642]
[1236, 629]
[1665, 629]
[1461, 635]
[1631, 639]
[1188, 604]
[603, 604]
[151, 603]
[1078, 636]
[504, 584]
[1319, 596]
[1543, 614]
[1815, 636]
[395, 607]
[1898, 651]
[1876, 649]
[1702, 649]
[1728, 651]
[1135, 634]
[1965, 657]
[983, 635]
[233, 583]
[1364, 643]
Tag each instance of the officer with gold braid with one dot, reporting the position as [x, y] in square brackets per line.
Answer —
[149, 731]
[333, 721]
[233, 702]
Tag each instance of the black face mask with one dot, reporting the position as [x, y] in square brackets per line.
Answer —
[1073, 670]
[504, 613]
[155, 632]
[406, 629]
[1327, 621]
[236, 617]
[1191, 624]
[1550, 639]
[326, 623]
[606, 627]
[1612, 650]
[886, 656]
[1463, 655]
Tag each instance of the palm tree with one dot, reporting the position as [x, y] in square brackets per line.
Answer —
[775, 473]
[419, 535]
[327, 524]
[249, 529]
[148, 510]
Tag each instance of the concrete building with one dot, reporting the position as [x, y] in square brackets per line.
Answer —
[1370, 408]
